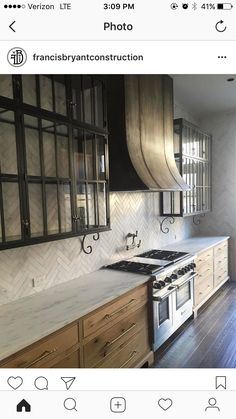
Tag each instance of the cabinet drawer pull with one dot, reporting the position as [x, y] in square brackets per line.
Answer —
[121, 335]
[41, 357]
[109, 316]
[133, 355]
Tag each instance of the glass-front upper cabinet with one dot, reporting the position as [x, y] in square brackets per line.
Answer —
[193, 157]
[53, 158]
[11, 218]
[87, 103]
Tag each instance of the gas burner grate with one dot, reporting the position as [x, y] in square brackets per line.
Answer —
[168, 255]
[142, 268]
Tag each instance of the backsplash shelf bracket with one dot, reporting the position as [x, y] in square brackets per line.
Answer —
[197, 219]
[88, 249]
[166, 229]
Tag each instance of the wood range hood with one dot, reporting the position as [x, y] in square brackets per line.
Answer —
[142, 151]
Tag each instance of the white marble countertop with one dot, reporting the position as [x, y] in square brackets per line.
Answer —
[196, 245]
[29, 319]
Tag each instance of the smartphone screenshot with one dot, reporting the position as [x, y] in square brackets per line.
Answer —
[117, 209]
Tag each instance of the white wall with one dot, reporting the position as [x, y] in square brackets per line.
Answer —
[222, 220]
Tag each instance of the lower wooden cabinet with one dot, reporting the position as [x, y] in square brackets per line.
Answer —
[212, 273]
[71, 361]
[114, 336]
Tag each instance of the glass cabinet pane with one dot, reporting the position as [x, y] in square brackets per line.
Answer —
[1, 238]
[65, 207]
[8, 156]
[60, 95]
[52, 209]
[6, 89]
[29, 89]
[91, 205]
[81, 205]
[102, 208]
[77, 98]
[46, 94]
[90, 156]
[62, 139]
[11, 208]
[49, 151]
[32, 146]
[35, 209]
[79, 154]
[98, 103]
[88, 99]
[101, 158]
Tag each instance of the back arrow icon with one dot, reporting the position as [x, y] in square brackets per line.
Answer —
[10, 26]
[219, 27]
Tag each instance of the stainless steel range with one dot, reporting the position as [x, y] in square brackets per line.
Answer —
[173, 275]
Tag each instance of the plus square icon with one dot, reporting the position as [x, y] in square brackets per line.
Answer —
[118, 405]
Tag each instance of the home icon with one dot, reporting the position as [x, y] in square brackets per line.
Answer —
[23, 406]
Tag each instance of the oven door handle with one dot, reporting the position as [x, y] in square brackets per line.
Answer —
[163, 297]
[186, 280]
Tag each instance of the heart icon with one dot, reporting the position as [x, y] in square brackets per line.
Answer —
[165, 404]
[15, 382]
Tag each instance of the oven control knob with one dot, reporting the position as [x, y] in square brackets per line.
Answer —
[181, 272]
[167, 280]
[162, 283]
[192, 265]
[157, 286]
[174, 276]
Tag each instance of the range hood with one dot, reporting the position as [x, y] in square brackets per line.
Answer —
[140, 121]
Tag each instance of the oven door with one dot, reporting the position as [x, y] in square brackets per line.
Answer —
[163, 318]
[183, 302]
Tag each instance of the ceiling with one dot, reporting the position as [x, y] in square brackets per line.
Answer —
[205, 93]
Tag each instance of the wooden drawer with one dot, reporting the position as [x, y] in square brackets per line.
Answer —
[114, 310]
[71, 361]
[221, 275]
[220, 264]
[112, 339]
[205, 268]
[221, 248]
[46, 353]
[130, 353]
[204, 257]
[203, 286]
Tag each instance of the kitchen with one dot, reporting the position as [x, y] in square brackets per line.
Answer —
[117, 211]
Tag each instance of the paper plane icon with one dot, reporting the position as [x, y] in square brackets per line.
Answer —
[68, 381]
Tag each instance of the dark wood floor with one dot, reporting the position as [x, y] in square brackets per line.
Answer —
[208, 341]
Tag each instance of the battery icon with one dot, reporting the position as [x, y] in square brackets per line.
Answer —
[224, 6]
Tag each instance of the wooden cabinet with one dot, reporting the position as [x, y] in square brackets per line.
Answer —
[114, 336]
[118, 335]
[193, 158]
[53, 158]
[212, 273]
[48, 352]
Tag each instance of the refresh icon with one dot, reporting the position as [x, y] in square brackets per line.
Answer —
[220, 27]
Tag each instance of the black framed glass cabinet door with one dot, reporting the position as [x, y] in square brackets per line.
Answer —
[53, 158]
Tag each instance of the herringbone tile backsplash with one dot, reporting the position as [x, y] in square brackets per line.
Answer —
[49, 264]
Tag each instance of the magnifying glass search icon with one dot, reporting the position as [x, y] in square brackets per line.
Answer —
[70, 404]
